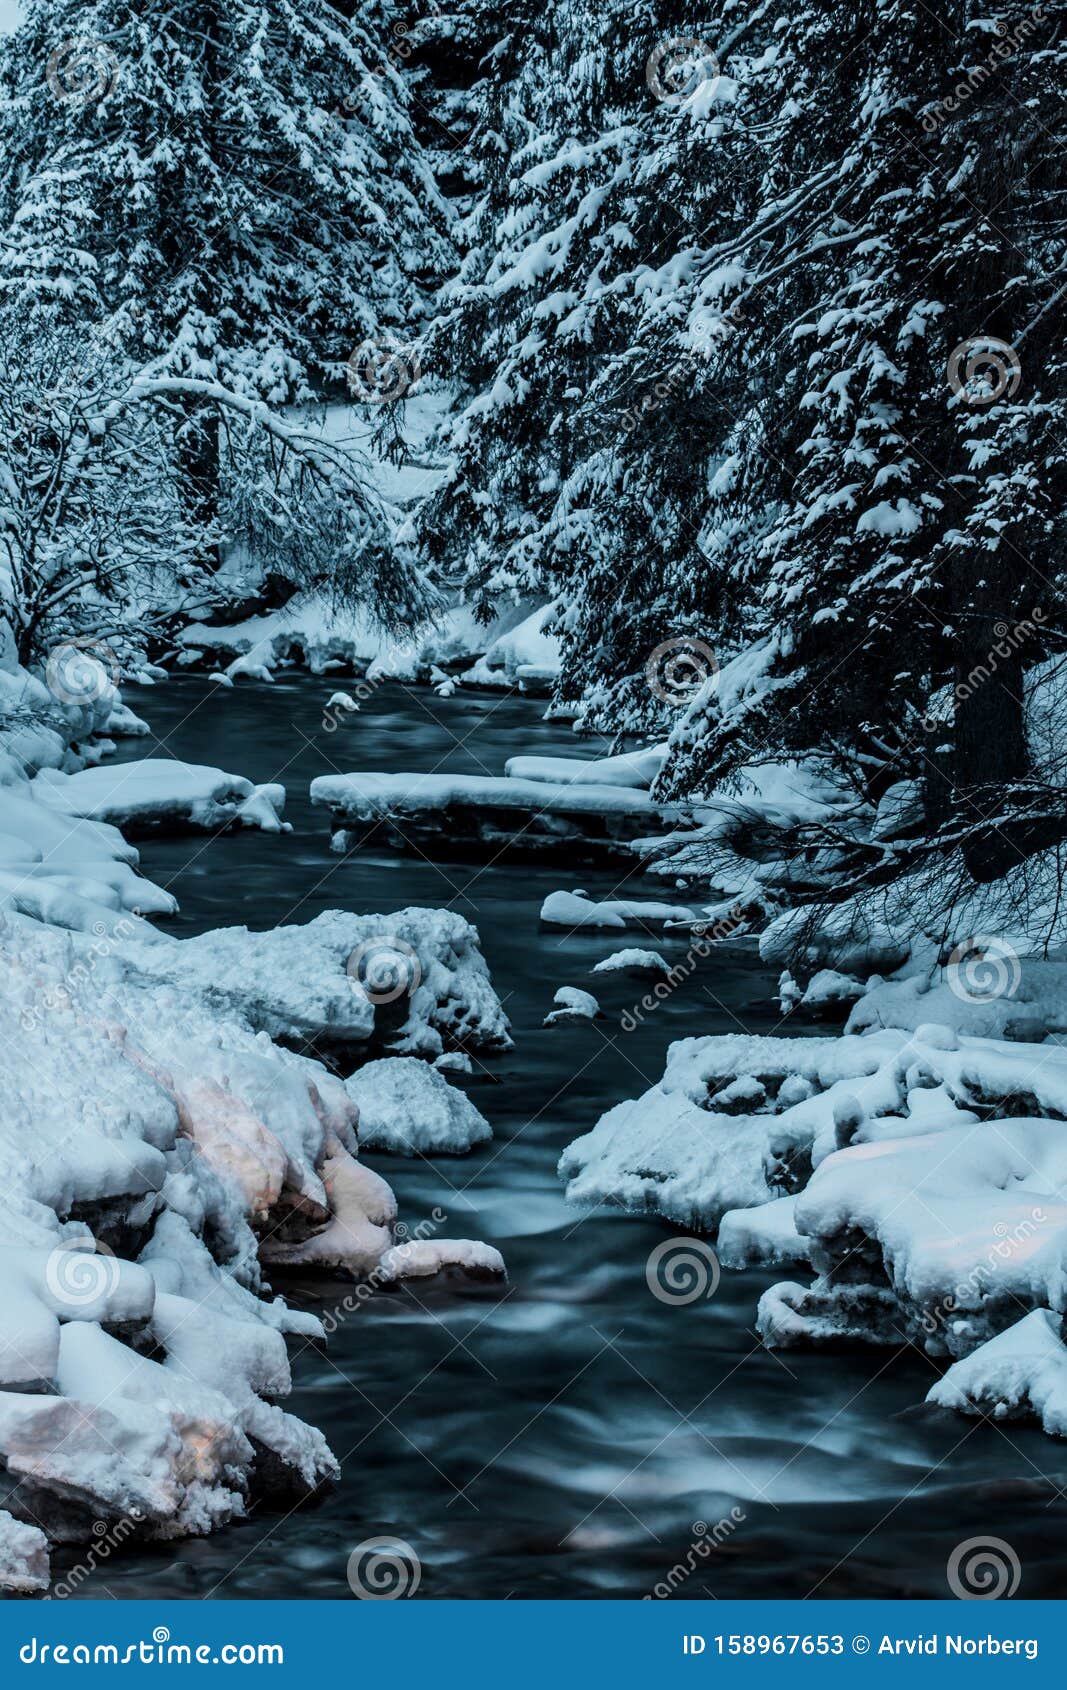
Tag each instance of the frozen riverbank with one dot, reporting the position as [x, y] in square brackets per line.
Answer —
[170, 1138]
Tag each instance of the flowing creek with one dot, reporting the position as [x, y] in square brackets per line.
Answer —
[566, 1434]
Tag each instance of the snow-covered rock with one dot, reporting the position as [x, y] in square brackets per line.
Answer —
[408, 1108]
[764, 1236]
[23, 1557]
[162, 792]
[965, 1226]
[1019, 1374]
[454, 1062]
[989, 992]
[632, 960]
[737, 1122]
[423, 1258]
[524, 656]
[415, 979]
[576, 909]
[321, 635]
[730, 1125]
[361, 1209]
[74, 873]
[830, 994]
[572, 1004]
[122, 723]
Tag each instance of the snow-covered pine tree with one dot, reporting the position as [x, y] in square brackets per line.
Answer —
[724, 325]
[899, 463]
[534, 155]
[228, 192]
[593, 363]
[235, 187]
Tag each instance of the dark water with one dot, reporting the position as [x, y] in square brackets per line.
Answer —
[565, 1435]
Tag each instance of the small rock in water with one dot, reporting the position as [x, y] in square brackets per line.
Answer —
[633, 961]
[574, 1005]
[422, 1258]
[454, 1062]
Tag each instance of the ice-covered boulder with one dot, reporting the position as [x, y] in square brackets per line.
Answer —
[965, 1227]
[416, 980]
[572, 1004]
[408, 1108]
[162, 792]
[577, 909]
[1020, 1374]
[632, 960]
[424, 1258]
[23, 1557]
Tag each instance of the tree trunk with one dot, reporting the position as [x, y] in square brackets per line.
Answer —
[991, 755]
[199, 450]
